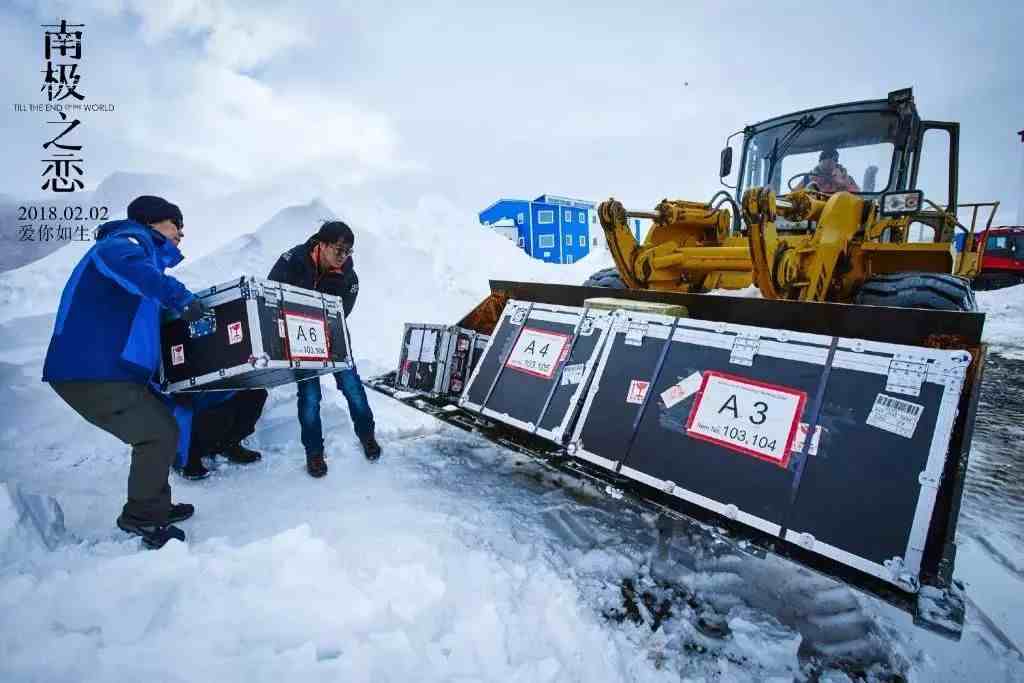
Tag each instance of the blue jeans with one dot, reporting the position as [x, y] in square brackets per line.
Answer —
[309, 408]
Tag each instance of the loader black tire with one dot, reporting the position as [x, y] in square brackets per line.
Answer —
[937, 291]
[608, 277]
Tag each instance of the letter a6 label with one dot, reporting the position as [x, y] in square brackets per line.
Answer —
[538, 352]
[747, 416]
[307, 336]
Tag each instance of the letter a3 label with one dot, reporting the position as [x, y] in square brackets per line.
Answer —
[538, 352]
[747, 416]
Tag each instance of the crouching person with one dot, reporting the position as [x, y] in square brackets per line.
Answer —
[217, 422]
[105, 349]
[324, 263]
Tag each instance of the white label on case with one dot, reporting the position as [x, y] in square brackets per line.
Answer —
[681, 390]
[307, 338]
[895, 415]
[177, 354]
[637, 391]
[422, 344]
[537, 352]
[747, 416]
[801, 438]
[280, 328]
[234, 333]
[573, 374]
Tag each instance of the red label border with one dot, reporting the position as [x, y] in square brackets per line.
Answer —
[554, 366]
[293, 314]
[787, 453]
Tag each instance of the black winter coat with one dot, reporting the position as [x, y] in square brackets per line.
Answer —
[296, 267]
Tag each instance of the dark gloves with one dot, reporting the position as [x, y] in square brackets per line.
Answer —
[194, 311]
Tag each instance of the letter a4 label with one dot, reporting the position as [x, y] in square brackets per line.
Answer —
[747, 416]
[538, 352]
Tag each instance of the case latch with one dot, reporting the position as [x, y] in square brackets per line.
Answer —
[635, 333]
[906, 375]
[744, 348]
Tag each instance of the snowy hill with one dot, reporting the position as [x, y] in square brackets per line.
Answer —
[450, 559]
[429, 264]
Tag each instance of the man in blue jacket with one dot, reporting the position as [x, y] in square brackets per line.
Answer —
[105, 349]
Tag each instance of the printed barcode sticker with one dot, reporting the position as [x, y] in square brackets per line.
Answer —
[895, 415]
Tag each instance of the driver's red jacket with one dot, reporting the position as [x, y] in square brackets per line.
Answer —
[829, 183]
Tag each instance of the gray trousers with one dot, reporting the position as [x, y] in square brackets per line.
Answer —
[137, 417]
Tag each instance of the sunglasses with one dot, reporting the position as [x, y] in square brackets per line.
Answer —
[339, 249]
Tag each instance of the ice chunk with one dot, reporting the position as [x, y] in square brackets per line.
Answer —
[28, 520]
[761, 638]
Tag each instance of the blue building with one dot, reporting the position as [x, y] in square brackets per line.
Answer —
[549, 228]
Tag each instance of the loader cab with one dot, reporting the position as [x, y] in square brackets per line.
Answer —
[878, 144]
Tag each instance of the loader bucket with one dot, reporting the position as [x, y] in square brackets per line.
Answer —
[834, 435]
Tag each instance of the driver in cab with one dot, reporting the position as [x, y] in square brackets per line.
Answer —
[829, 176]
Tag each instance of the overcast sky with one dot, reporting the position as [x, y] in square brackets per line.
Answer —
[476, 104]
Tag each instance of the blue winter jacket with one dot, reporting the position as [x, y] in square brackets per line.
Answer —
[108, 323]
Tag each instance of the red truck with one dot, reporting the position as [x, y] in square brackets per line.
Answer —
[1003, 262]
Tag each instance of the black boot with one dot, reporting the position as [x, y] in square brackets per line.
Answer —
[316, 465]
[370, 447]
[154, 536]
[180, 512]
[194, 469]
[236, 452]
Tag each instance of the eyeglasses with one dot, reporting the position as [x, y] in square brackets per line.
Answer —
[339, 249]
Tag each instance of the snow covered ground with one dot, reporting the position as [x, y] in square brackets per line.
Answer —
[1004, 319]
[449, 560]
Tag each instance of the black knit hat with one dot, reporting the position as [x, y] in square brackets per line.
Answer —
[148, 209]
[334, 231]
[829, 153]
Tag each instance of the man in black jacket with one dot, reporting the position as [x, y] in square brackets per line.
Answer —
[324, 263]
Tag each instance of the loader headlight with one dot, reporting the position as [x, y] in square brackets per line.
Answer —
[897, 203]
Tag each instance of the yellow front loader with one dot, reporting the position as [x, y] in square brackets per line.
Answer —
[822, 237]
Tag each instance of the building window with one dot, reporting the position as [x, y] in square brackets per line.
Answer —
[593, 218]
[583, 241]
[582, 217]
[595, 241]
[520, 218]
[567, 215]
[568, 258]
[545, 217]
[568, 240]
[546, 241]
[521, 243]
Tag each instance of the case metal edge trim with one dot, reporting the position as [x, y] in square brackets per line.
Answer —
[581, 451]
[808, 542]
[503, 319]
[602, 321]
[932, 475]
[726, 510]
